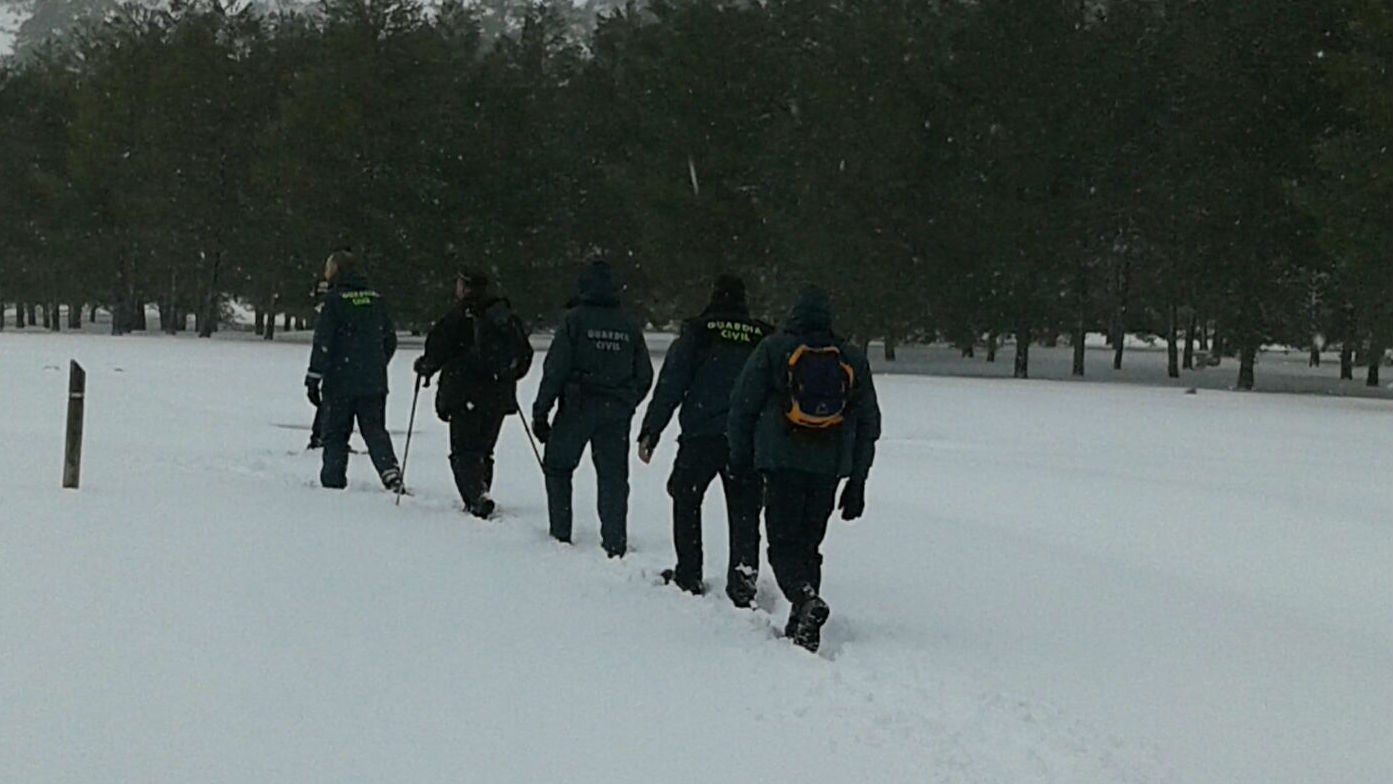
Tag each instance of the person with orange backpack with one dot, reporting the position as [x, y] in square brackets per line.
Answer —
[804, 415]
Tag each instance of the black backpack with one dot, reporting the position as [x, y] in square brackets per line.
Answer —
[501, 348]
[819, 387]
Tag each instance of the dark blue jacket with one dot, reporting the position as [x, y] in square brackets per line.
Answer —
[759, 433]
[353, 341]
[700, 372]
[598, 360]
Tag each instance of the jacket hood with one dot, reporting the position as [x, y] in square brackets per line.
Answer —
[597, 285]
[811, 312]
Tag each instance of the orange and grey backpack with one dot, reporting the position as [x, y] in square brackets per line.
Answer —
[819, 387]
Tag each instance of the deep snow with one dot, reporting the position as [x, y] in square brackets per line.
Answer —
[1054, 583]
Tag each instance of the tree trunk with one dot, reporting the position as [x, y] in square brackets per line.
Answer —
[1189, 360]
[286, 324]
[75, 316]
[209, 317]
[1079, 338]
[1315, 353]
[270, 332]
[48, 311]
[890, 348]
[1173, 344]
[1374, 358]
[1021, 368]
[31, 315]
[1247, 358]
[1347, 361]
[1216, 346]
[991, 346]
[55, 317]
[260, 321]
[92, 315]
[19, 315]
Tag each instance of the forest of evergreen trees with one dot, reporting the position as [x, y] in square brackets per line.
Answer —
[1214, 173]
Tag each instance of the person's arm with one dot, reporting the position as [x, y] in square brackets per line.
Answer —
[673, 382]
[389, 336]
[867, 410]
[556, 369]
[747, 401]
[326, 328]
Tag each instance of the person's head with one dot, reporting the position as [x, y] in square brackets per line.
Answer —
[470, 284]
[596, 284]
[728, 294]
[340, 263]
[811, 312]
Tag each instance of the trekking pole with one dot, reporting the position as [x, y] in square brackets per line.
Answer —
[406, 453]
[526, 428]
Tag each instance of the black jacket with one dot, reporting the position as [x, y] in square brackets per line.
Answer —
[598, 359]
[450, 350]
[700, 372]
[354, 339]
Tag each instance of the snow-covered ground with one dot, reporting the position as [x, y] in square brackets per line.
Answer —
[1054, 583]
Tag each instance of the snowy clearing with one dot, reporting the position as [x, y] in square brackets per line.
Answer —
[1054, 583]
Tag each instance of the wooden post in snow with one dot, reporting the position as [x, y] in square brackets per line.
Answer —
[72, 455]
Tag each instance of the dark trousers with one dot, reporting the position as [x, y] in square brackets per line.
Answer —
[473, 435]
[608, 439]
[700, 460]
[371, 414]
[797, 505]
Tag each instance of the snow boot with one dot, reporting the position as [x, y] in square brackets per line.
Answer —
[693, 587]
[807, 621]
[391, 479]
[483, 508]
[740, 586]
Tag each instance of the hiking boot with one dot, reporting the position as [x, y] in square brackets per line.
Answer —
[391, 479]
[482, 508]
[693, 587]
[807, 623]
[740, 586]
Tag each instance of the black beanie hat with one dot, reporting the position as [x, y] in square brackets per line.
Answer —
[728, 293]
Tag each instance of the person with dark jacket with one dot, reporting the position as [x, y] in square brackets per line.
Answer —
[353, 341]
[599, 370]
[804, 445]
[698, 375]
[473, 395]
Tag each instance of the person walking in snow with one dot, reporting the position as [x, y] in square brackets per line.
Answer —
[353, 341]
[598, 370]
[804, 414]
[480, 349]
[698, 375]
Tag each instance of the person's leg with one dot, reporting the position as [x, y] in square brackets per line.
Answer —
[784, 503]
[808, 616]
[692, 473]
[563, 451]
[472, 437]
[337, 423]
[372, 423]
[609, 450]
[744, 497]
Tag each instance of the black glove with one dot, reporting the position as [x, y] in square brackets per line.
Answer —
[541, 429]
[422, 367]
[853, 503]
[647, 442]
[312, 392]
